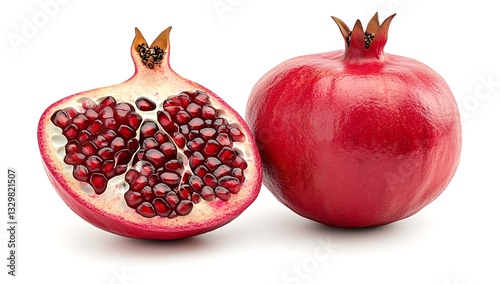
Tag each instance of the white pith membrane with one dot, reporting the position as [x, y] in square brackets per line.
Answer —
[158, 85]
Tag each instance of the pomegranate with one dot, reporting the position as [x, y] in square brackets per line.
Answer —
[155, 157]
[355, 137]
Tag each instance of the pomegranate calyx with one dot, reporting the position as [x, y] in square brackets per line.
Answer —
[367, 43]
[151, 56]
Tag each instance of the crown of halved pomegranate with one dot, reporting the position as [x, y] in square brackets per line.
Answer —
[155, 157]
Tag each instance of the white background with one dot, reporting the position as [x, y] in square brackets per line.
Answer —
[85, 44]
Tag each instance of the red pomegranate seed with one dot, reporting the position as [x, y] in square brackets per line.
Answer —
[106, 112]
[209, 122]
[201, 171]
[98, 182]
[179, 139]
[185, 192]
[238, 173]
[108, 168]
[212, 163]
[170, 178]
[196, 183]
[208, 112]
[196, 160]
[171, 109]
[208, 133]
[146, 209]
[71, 112]
[99, 141]
[227, 155]
[109, 135]
[148, 129]
[182, 117]
[71, 147]
[201, 98]
[169, 150]
[133, 145]
[236, 134]
[161, 137]
[221, 171]
[74, 158]
[155, 157]
[70, 131]
[210, 180]
[139, 183]
[83, 136]
[89, 104]
[126, 131]
[219, 122]
[131, 176]
[212, 147]
[174, 166]
[224, 140]
[147, 193]
[145, 104]
[153, 180]
[195, 144]
[81, 121]
[184, 207]
[161, 207]
[80, 173]
[110, 123]
[133, 198]
[120, 169]
[106, 153]
[61, 119]
[194, 110]
[91, 114]
[196, 123]
[117, 144]
[134, 120]
[239, 162]
[147, 169]
[231, 183]
[88, 148]
[172, 199]
[123, 106]
[161, 189]
[93, 163]
[166, 122]
[184, 129]
[222, 129]
[149, 143]
[193, 134]
[182, 99]
[195, 198]
[121, 115]
[222, 193]
[122, 157]
[108, 101]
[207, 193]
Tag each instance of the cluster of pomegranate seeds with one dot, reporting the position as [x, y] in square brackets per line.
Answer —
[101, 139]
[185, 156]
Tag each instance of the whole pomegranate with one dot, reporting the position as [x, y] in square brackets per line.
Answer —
[355, 138]
[155, 157]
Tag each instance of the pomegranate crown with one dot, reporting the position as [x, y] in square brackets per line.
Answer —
[156, 54]
[369, 43]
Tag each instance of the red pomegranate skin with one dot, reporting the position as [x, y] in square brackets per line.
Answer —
[355, 138]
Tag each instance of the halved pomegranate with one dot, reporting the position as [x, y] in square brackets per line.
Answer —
[155, 157]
